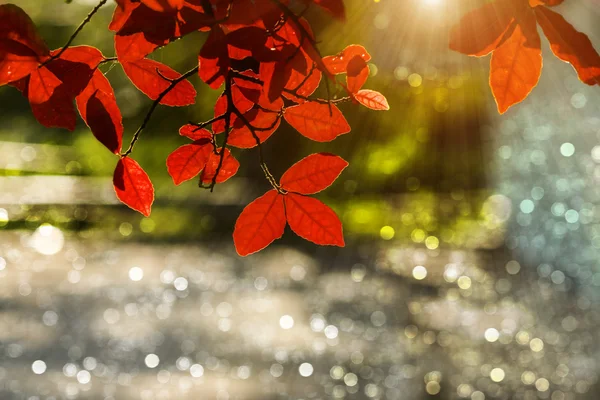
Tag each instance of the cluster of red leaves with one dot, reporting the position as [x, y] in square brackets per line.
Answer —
[264, 56]
[508, 30]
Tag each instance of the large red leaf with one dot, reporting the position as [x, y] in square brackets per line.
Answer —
[320, 122]
[312, 220]
[313, 173]
[229, 167]
[480, 31]
[570, 45]
[98, 107]
[338, 64]
[145, 76]
[188, 160]
[372, 99]
[259, 224]
[132, 186]
[516, 65]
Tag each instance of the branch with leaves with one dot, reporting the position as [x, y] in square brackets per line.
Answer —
[261, 53]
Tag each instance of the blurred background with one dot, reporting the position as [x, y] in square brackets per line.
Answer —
[471, 266]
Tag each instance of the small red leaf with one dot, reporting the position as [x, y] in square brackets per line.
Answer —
[229, 167]
[188, 160]
[313, 173]
[372, 99]
[312, 220]
[194, 133]
[357, 74]
[132, 186]
[338, 64]
[259, 224]
[145, 76]
[265, 124]
[42, 84]
[98, 108]
[320, 122]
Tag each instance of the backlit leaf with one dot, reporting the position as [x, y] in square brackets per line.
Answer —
[313, 173]
[312, 220]
[318, 121]
[372, 99]
[145, 76]
[516, 66]
[188, 160]
[132, 186]
[570, 45]
[259, 224]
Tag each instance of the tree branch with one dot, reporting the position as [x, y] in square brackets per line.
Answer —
[74, 35]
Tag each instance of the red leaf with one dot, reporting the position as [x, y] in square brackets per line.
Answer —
[338, 64]
[164, 5]
[16, 61]
[229, 167]
[372, 99]
[122, 13]
[133, 47]
[570, 45]
[480, 31]
[317, 121]
[214, 59]
[98, 108]
[132, 186]
[42, 84]
[312, 220]
[18, 27]
[357, 74]
[265, 124]
[313, 173]
[259, 224]
[516, 65]
[88, 55]
[145, 76]
[58, 111]
[188, 160]
[194, 133]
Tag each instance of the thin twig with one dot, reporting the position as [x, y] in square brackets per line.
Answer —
[155, 104]
[74, 35]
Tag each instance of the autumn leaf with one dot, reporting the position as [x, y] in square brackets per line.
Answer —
[338, 64]
[228, 168]
[509, 30]
[194, 133]
[153, 78]
[188, 160]
[318, 121]
[516, 65]
[132, 186]
[313, 173]
[259, 224]
[570, 45]
[372, 99]
[312, 220]
[98, 107]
